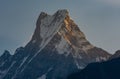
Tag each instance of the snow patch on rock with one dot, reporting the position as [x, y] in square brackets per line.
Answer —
[62, 47]
[42, 77]
[23, 61]
[79, 66]
[33, 41]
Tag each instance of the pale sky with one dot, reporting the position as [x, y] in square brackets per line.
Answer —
[111, 2]
[98, 19]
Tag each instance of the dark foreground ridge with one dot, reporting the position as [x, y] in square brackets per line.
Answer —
[105, 70]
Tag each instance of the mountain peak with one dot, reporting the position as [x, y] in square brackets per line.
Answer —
[5, 56]
[43, 14]
[117, 52]
[62, 11]
[6, 53]
[116, 55]
[60, 24]
[57, 48]
[46, 25]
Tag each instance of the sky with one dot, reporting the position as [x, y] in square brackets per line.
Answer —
[98, 19]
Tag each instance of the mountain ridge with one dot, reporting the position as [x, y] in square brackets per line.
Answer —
[57, 48]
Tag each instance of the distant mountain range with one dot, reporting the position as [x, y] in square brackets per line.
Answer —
[57, 49]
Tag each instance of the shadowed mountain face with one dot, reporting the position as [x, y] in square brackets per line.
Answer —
[58, 48]
[105, 70]
[116, 55]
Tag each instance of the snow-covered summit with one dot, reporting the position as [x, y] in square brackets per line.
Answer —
[60, 22]
[57, 48]
[62, 33]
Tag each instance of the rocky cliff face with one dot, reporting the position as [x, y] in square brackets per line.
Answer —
[58, 48]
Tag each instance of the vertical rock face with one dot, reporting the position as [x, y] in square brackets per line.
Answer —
[58, 48]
